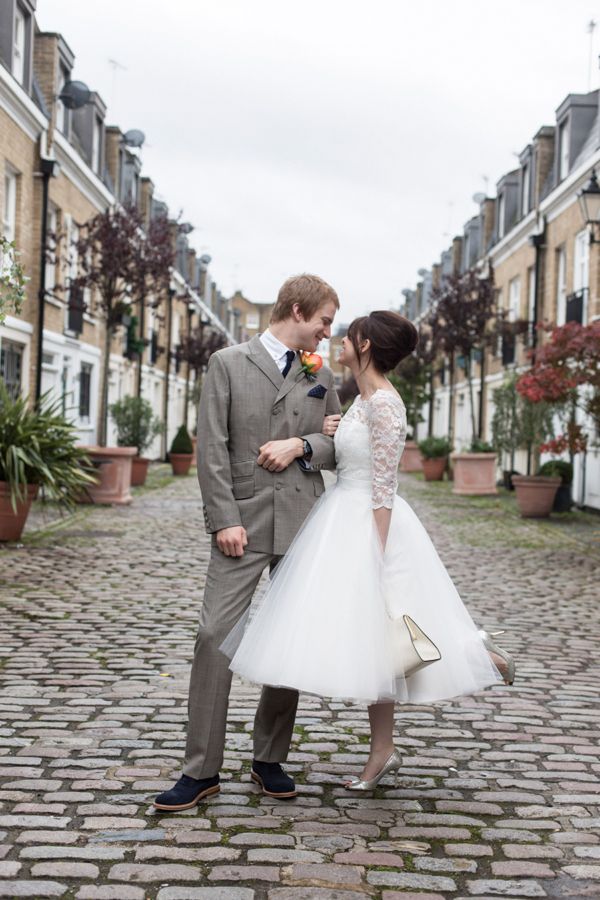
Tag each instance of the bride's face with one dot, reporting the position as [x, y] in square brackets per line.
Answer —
[347, 354]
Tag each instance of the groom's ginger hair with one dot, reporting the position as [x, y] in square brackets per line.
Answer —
[310, 293]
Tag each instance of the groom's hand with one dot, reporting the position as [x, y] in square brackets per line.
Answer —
[231, 541]
[277, 455]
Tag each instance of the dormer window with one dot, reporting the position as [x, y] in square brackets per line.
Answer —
[18, 61]
[563, 150]
[501, 215]
[62, 113]
[96, 144]
[526, 189]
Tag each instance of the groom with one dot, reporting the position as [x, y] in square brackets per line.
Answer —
[260, 452]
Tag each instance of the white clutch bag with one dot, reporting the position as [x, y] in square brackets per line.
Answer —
[411, 648]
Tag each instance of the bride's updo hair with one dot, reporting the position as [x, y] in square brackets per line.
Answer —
[392, 338]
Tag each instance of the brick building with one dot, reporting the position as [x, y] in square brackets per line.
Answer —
[532, 236]
[87, 167]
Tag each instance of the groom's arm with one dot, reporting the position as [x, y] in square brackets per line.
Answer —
[214, 470]
[323, 453]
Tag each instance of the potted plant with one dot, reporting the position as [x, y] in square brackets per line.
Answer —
[506, 427]
[37, 450]
[475, 469]
[434, 451]
[564, 470]
[181, 452]
[136, 427]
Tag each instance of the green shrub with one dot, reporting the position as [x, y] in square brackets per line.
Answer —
[38, 446]
[136, 424]
[182, 442]
[434, 447]
[557, 468]
[479, 446]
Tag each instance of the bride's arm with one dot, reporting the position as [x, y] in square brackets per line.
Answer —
[387, 433]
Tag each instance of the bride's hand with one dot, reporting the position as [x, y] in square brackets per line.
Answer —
[330, 424]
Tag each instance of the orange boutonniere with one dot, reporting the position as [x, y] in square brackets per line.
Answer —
[311, 363]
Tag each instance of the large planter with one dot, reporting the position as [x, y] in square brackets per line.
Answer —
[535, 495]
[139, 470]
[474, 473]
[181, 462]
[12, 523]
[411, 460]
[113, 468]
[433, 469]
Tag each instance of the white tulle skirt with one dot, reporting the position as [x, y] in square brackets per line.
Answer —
[323, 628]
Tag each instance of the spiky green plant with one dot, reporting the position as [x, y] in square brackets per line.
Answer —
[38, 446]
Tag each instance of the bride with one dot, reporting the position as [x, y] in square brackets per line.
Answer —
[360, 563]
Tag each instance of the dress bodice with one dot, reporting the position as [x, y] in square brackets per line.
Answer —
[369, 443]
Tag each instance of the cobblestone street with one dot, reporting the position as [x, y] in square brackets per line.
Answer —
[499, 794]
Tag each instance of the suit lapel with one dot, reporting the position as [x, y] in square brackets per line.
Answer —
[259, 355]
[291, 379]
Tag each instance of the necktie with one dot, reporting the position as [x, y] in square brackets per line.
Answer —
[289, 359]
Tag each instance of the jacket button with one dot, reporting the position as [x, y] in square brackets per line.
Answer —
[278, 486]
[296, 412]
[298, 488]
[276, 411]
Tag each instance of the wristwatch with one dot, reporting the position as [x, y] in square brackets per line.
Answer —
[307, 450]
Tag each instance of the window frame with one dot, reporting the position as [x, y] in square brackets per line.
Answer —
[19, 50]
[561, 285]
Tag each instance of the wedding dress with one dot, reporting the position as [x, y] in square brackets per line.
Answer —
[323, 626]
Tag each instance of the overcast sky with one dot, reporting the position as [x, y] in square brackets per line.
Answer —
[332, 136]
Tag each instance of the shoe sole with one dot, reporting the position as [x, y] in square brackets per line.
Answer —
[282, 795]
[178, 806]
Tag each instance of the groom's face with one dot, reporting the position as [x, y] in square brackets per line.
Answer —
[312, 331]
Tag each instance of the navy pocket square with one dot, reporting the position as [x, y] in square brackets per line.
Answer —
[318, 391]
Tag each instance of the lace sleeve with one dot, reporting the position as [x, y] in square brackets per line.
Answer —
[387, 426]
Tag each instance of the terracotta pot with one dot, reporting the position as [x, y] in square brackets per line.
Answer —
[474, 473]
[411, 460]
[139, 470]
[434, 469]
[113, 469]
[535, 495]
[12, 523]
[181, 462]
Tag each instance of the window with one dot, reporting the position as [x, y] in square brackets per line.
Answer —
[581, 262]
[514, 299]
[525, 197]
[561, 286]
[11, 367]
[18, 64]
[531, 312]
[62, 113]
[52, 249]
[501, 215]
[252, 320]
[96, 139]
[9, 213]
[85, 390]
[563, 150]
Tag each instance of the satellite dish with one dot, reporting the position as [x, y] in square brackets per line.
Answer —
[422, 272]
[74, 94]
[205, 259]
[185, 228]
[134, 137]
[479, 197]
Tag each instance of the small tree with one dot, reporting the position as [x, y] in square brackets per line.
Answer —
[518, 423]
[137, 426]
[12, 279]
[108, 254]
[566, 373]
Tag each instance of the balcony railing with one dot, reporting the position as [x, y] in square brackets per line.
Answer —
[575, 306]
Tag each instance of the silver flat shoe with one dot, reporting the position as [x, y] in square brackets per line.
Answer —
[392, 764]
[508, 670]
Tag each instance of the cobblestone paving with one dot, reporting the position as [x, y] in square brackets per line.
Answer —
[499, 794]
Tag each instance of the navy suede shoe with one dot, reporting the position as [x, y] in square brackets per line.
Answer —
[273, 780]
[187, 792]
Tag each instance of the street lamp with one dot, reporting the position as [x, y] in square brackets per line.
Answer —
[589, 204]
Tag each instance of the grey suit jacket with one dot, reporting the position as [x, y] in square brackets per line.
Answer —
[246, 402]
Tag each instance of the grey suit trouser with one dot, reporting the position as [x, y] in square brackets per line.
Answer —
[230, 584]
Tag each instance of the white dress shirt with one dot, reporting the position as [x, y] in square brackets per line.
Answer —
[275, 348]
